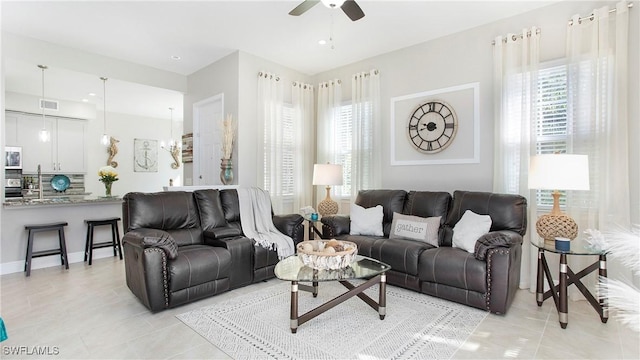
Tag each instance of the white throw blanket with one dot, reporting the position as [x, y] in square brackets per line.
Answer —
[257, 224]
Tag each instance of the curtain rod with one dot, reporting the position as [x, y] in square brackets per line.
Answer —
[592, 16]
[515, 37]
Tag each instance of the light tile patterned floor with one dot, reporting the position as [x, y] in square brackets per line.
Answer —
[88, 312]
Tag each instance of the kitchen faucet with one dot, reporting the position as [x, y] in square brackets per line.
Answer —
[40, 190]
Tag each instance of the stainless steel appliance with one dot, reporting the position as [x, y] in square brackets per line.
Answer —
[12, 183]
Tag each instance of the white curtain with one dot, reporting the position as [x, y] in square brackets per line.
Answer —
[329, 102]
[270, 155]
[597, 81]
[303, 113]
[366, 151]
[516, 60]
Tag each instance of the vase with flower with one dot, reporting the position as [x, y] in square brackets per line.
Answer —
[107, 175]
[226, 165]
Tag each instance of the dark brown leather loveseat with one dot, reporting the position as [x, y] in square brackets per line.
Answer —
[486, 279]
[181, 246]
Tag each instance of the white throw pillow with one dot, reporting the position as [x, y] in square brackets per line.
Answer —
[468, 229]
[366, 221]
[415, 228]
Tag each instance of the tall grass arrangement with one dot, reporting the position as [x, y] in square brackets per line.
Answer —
[228, 136]
[622, 296]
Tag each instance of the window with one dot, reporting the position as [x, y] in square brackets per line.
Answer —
[551, 120]
[284, 146]
[343, 143]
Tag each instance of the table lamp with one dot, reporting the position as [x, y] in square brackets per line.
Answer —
[327, 174]
[558, 172]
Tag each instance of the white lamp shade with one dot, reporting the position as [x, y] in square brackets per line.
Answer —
[327, 174]
[559, 172]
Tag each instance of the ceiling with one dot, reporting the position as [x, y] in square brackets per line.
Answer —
[202, 32]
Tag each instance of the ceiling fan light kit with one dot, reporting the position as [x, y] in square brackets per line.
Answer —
[350, 7]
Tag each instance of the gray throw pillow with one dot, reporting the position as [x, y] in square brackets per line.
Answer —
[415, 228]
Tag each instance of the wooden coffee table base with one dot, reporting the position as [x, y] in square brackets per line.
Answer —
[379, 306]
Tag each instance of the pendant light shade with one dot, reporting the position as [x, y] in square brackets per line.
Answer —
[44, 134]
[105, 138]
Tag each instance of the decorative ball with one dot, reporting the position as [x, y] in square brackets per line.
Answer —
[307, 247]
[329, 250]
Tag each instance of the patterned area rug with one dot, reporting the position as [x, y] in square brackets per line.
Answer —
[256, 326]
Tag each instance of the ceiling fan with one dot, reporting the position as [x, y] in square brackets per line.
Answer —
[350, 7]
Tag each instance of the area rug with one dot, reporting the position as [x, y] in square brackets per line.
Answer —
[256, 326]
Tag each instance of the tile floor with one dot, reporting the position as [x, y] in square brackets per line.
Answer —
[88, 312]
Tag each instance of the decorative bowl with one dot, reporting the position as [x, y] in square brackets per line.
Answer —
[60, 183]
[327, 254]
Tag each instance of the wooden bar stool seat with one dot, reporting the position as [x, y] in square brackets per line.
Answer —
[115, 238]
[62, 249]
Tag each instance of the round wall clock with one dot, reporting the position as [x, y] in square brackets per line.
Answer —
[433, 126]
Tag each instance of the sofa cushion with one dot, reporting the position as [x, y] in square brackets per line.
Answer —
[507, 211]
[210, 208]
[469, 229]
[198, 264]
[366, 221]
[415, 228]
[453, 267]
[402, 255]
[173, 211]
[391, 201]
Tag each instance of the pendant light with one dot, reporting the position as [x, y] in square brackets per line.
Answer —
[105, 137]
[44, 134]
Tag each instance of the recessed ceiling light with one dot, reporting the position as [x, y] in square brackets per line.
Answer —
[322, 42]
[85, 100]
[92, 94]
[176, 57]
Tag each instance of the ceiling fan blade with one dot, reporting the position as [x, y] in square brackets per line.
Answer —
[353, 10]
[303, 7]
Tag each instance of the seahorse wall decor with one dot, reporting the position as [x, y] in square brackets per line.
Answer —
[112, 150]
[175, 154]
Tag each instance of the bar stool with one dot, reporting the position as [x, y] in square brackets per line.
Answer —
[115, 238]
[62, 250]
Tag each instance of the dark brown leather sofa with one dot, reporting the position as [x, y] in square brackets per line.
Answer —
[181, 246]
[486, 279]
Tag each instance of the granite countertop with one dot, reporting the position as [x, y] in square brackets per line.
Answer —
[59, 201]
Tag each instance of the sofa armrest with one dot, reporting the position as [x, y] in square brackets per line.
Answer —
[290, 225]
[147, 238]
[334, 225]
[495, 239]
[222, 232]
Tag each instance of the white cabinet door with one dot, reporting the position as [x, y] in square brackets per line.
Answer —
[71, 155]
[11, 130]
[34, 151]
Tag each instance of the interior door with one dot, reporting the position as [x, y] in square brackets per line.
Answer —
[207, 145]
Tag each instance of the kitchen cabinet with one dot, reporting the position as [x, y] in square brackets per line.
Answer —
[11, 130]
[64, 153]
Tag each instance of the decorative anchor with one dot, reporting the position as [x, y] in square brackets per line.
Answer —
[112, 150]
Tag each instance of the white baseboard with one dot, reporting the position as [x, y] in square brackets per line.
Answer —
[52, 260]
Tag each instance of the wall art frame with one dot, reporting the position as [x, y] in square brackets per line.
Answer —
[187, 148]
[145, 155]
[464, 149]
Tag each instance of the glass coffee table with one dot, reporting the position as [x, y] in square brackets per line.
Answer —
[292, 269]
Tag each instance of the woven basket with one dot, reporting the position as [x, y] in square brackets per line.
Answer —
[313, 254]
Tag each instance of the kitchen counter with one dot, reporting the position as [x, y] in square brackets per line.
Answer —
[58, 201]
[72, 209]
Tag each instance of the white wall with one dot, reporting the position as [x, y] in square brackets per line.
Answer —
[466, 57]
[124, 128]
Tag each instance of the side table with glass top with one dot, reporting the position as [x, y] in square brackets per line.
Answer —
[567, 277]
[312, 227]
[293, 269]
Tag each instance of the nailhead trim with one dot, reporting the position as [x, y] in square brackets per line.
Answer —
[490, 253]
[165, 281]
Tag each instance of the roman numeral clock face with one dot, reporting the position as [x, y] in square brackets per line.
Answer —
[433, 126]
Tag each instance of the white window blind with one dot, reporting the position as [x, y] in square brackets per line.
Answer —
[343, 143]
[284, 146]
[551, 124]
